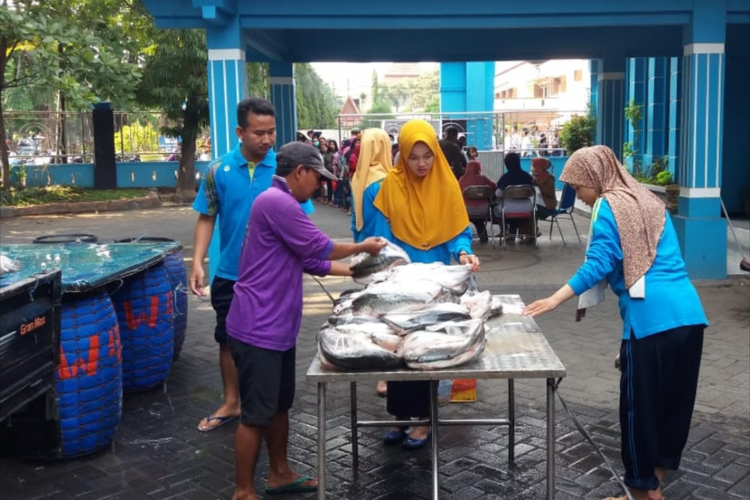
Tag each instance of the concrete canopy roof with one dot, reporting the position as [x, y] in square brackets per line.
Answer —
[397, 30]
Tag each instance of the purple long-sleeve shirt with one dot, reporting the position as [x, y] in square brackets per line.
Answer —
[281, 243]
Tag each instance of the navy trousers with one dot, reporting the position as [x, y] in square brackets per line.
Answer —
[657, 393]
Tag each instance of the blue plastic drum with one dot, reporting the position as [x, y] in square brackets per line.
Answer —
[89, 376]
[175, 265]
[145, 312]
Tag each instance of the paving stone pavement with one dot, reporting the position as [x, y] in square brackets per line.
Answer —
[159, 454]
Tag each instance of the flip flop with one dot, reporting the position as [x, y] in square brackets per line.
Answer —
[296, 486]
[223, 420]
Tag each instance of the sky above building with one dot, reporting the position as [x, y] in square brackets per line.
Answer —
[354, 78]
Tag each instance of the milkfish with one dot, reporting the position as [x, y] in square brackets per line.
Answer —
[380, 333]
[379, 304]
[408, 321]
[346, 319]
[354, 351]
[479, 304]
[456, 344]
[364, 266]
[453, 278]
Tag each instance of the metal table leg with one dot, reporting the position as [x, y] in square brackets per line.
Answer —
[550, 439]
[435, 430]
[511, 422]
[355, 434]
[321, 441]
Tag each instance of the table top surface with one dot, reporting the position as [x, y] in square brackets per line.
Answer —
[516, 348]
[84, 266]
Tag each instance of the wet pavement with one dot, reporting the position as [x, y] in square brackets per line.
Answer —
[159, 454]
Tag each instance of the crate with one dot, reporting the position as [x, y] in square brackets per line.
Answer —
[29, 340]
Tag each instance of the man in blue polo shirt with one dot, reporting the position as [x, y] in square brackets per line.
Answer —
[228, 190]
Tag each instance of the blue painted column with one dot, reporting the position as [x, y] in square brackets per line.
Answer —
[656, 115]
[594, 65]
[636, 76]
[227, 86]
[610, 103]
[675, 116]
[480, 84]
[452, 87]
[469, 87]
[284, 100]
[701, 229]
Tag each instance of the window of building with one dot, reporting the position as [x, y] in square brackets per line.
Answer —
[578, 75]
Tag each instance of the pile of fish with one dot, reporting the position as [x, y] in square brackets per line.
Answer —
[422, 316]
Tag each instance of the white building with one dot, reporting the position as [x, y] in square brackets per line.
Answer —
[541, 93]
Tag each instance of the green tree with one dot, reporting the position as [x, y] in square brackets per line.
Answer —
[397, 94]
[175, 81]
[375, 89]
[425, 92]
[316, 104]
[631, 150]
[50, 48]
[579, 132]
[258, 80]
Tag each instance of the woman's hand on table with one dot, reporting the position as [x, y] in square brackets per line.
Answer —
[197, 280]
[469, 260]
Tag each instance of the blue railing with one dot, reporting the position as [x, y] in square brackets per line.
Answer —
[162, 174]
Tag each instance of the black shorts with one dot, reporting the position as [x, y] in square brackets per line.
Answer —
[222, 292]
[266, 381]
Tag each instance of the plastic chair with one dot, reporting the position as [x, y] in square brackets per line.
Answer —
[483, 210]
[564, 208]
[519, 192]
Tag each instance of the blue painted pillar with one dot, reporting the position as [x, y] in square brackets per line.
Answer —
[480, 84]
[452, 87]
[469, 87]
[284, 100]
[701, 229]
[610, 103]
[594, 85]
[656, 115]
[227, 86]
[636, 76]
[675, 117]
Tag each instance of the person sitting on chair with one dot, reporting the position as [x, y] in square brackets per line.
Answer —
[547, 202]
[474, 177]
[514, 176]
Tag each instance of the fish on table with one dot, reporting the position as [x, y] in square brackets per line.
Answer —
[354, 351]
[419, 319]
[456, 278]
[364, 266]
[456, 343]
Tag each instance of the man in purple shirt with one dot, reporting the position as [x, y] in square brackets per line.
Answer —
[281, 243]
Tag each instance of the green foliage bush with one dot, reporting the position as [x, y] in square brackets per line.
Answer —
[579, 132]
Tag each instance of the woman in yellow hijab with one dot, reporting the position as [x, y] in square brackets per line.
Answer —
[420, 208]
[373, 165]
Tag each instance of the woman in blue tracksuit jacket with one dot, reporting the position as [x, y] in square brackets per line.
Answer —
[633, 247]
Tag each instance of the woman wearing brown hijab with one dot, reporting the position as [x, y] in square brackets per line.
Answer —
[633, 247]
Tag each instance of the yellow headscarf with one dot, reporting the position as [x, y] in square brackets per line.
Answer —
[423, 212]
[373, 164]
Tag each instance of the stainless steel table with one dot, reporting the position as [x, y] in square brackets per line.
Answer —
[515, 349]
